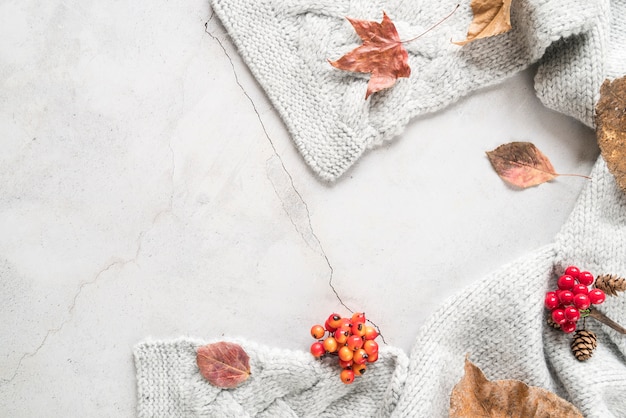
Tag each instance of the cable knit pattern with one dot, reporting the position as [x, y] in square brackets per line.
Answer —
[287, 44]
[500, 320]
[282, 384]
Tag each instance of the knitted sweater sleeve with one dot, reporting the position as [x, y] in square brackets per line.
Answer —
[287, 45]
[282, 384]
[500, 322]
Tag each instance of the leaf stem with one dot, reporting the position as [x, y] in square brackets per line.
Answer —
[552, 173]
[575, 175]
[432, 27]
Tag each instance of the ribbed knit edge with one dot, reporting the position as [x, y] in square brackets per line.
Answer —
[247, 24]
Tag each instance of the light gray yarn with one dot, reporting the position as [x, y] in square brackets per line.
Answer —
[286, 44]
[573, 68]
[500, 320]
[282, 384]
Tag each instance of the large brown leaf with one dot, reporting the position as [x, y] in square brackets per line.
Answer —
[611, 127]
[382, 54]
[491, 17]
[225, 365]
[475, 396]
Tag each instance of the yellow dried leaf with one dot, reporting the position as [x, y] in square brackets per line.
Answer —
[611, 127]
[491, 17]
[476, 396]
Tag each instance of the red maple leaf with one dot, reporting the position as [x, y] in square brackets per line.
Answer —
[382, 54]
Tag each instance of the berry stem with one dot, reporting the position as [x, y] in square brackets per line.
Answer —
[382, 337]
[599, 316]
[433, 26]
[330, 283]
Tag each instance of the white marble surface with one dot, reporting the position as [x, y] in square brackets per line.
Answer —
[148, 189]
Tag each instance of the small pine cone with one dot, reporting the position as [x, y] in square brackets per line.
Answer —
[583, 345]
[552, 323]
[610, 284]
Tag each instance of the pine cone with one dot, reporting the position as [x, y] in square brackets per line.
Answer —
[583, 345]
[551, 323]
[610, 284]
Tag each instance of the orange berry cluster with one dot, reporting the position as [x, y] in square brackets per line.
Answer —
[350, 340]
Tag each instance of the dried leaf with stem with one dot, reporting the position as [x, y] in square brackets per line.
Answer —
[382, 53]
[521, 164]
[476, 396]
[491, 17]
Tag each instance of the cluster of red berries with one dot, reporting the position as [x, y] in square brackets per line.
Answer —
[350, 340]
[573, 298]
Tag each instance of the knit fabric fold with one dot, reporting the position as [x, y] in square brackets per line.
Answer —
[281, 384]
[573, 68]
[287, 45]
[499, 321]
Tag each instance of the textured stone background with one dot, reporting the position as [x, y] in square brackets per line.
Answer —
[149, 190]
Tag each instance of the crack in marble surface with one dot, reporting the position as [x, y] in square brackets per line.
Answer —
[88, 175]
[274, 150]
[276, 155]
[170, 208]
[120, 263]
[72, 307]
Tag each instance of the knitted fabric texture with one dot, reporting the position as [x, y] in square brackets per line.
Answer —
[500, 320]
[287, 45]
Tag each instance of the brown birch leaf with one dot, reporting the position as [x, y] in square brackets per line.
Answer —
[521, 164]
[381, 54]
[476, 396]
[491, 17]
[225, 365]
[611, 127]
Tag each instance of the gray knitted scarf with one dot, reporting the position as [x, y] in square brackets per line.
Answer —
[286, 45]
[500, 320]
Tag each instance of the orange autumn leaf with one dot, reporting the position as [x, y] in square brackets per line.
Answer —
[225, 365]
[521, 164]
[491, 17]
[382, 54]
[476, 396]
[611, 127]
